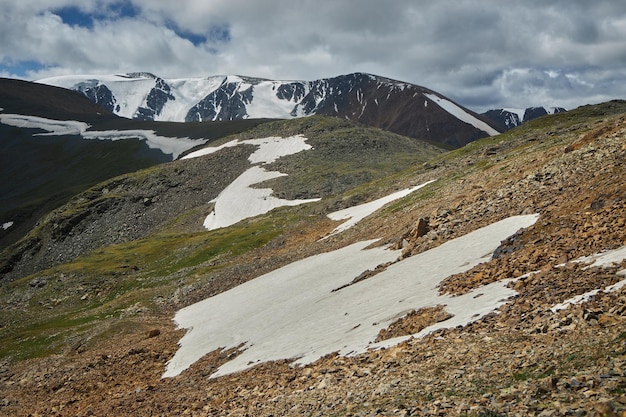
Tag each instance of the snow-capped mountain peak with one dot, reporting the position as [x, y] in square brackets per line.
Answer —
[511, 117]
[369, 99]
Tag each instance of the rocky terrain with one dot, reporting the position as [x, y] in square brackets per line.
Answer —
[526, 359]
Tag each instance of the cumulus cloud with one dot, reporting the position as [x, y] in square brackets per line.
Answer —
[482, 54]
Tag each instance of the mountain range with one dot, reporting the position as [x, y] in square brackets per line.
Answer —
[396, 106]
[308, 266]
[511, 117]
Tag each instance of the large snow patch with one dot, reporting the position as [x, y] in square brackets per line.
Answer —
[167, 145]
[293, 312]
[240, 200]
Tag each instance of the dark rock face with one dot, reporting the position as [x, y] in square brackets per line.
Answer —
[291, 91]
[156, 100]
[228, 102]
[99, 94]
[508, 119]
[387, 104]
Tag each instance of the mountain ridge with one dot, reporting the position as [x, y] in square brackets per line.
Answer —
[509, 117]
[392, 105]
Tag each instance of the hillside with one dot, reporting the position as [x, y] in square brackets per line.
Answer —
[57, 143]
[137, 205]
[93, 334]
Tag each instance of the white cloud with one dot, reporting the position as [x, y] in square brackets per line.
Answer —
[474, 53]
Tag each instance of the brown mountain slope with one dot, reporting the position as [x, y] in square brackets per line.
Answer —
[524, 360]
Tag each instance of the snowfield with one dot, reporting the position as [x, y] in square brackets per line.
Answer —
[240, 200]
[130, 91]
[293, 312]
[53, 127]
[167, 145]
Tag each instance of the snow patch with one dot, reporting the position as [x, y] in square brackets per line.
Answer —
[605, 259]
[6, 225]
[210, 150]
[355, 214]
[173, 146]
[53, 127]
[293, 312]
[272, 148]
[239, 200]
[167, 145]
[462, 115]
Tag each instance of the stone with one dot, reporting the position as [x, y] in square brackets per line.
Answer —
[422, 227]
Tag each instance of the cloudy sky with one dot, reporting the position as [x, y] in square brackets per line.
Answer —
[481, 53]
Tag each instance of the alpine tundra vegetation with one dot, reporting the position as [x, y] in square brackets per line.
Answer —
[310, 266]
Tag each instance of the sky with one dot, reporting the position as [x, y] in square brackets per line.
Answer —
[481, 54]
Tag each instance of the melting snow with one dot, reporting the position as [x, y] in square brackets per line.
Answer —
[357, 213]
[239, 200]
[53, 127]
[293, 312]
[604, 259]
[599, 260]
[272, 148]
[462, 115]
[173, 146]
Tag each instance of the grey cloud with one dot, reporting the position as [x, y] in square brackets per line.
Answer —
[481, 54]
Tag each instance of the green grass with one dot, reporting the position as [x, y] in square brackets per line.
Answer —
[117, 277]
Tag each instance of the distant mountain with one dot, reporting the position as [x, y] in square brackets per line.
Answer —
[513, 117]
[396, 106]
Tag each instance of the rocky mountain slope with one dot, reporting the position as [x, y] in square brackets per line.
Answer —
[396, 106]
[510, 117]
[140, 204]
[92, 335]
